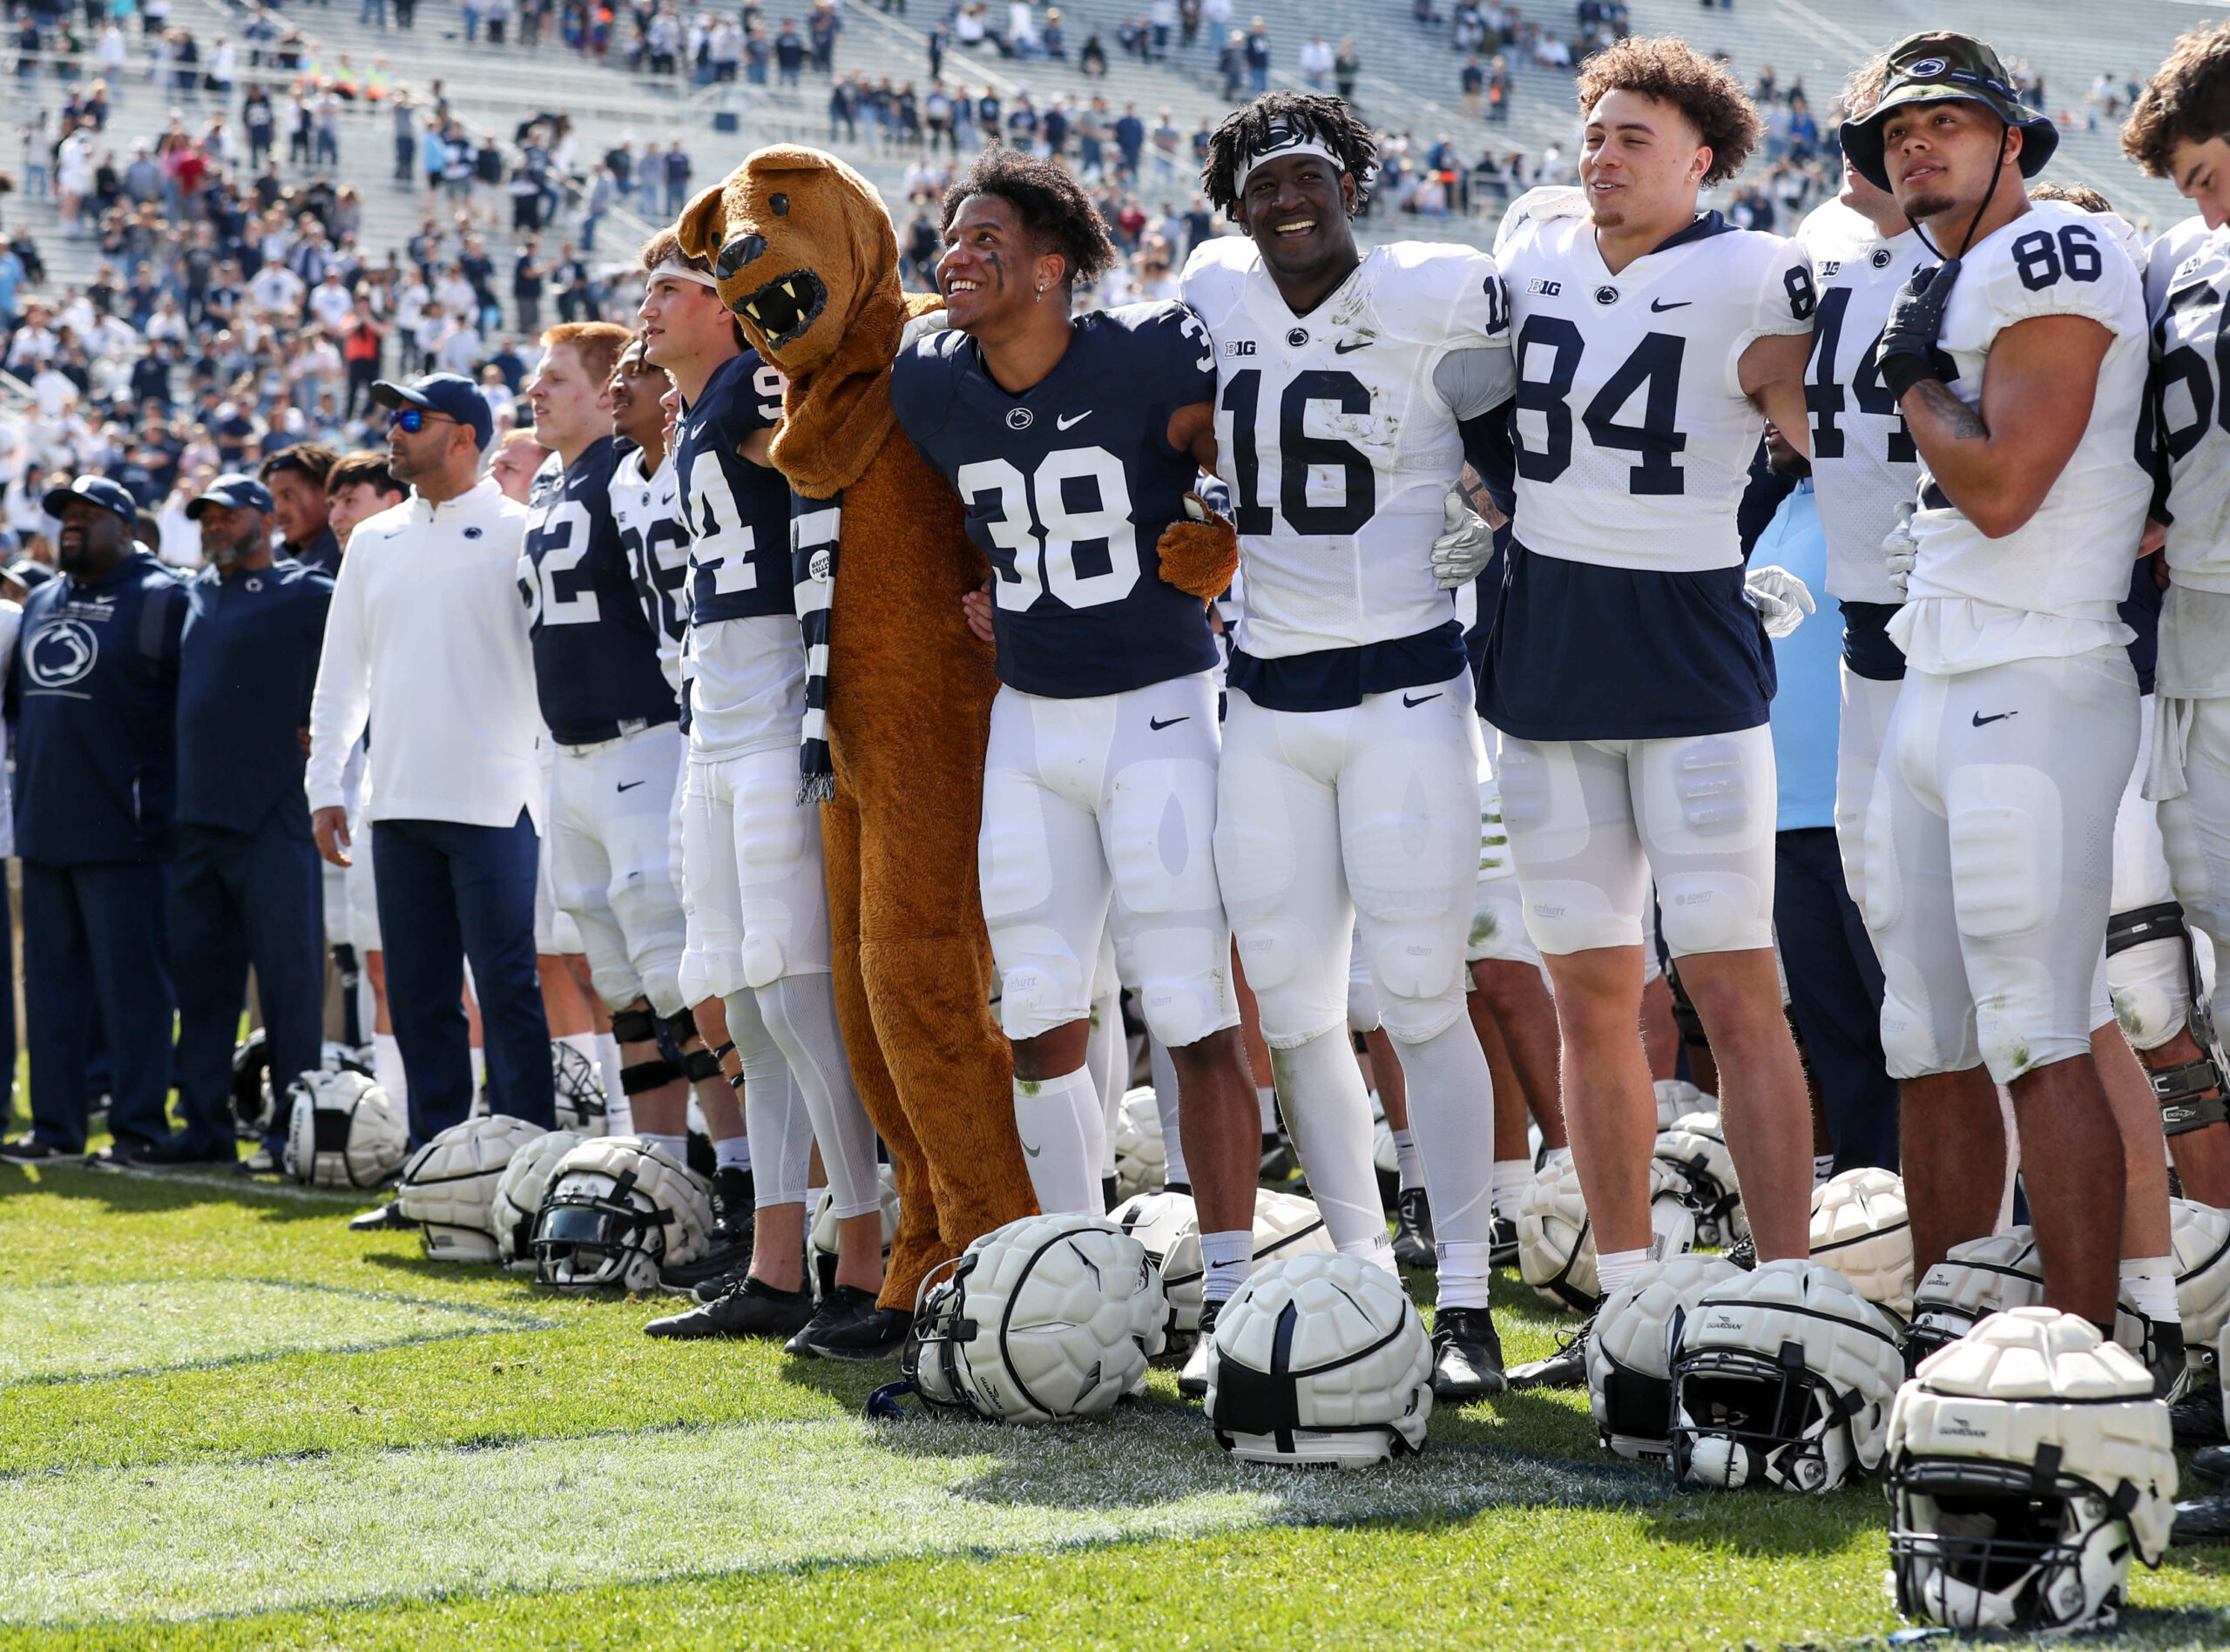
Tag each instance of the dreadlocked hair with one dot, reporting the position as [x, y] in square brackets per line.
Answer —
[1057, 214]
[1318, 115]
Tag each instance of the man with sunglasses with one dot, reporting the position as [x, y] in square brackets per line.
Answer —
[428, 641]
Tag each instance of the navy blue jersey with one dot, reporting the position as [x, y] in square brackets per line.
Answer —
[247, 662]
[596, 658]
[738, 513]
[1068, 487]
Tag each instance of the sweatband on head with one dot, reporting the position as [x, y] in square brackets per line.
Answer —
[681, 272]
[1283, 141]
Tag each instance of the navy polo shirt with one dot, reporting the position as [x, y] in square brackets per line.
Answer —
[95, 684]
[247, 666]
[323, 553]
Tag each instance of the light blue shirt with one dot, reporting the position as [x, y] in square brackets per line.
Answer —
[1808, 705]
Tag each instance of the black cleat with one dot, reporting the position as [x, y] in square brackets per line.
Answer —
[2196, 1420]
[178, 1154]
[1412, 1231]
[734, 1204]
[751, 1308]
[121, 1156]
[1566, 1368]
[879, 1334]
[1193, 1381]
[2212, 1462]
[387, 1216]
[842, 1305]
[2204, 1520]
[28, 1150]
[1466, 1355]
[718, 1265]
[1503, 1240]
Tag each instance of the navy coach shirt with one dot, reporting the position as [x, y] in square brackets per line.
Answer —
[247, 666]
[96, 686]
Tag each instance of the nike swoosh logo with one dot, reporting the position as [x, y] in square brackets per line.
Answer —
[629, 786]
[1406, 700]
[1660, 306]
[1157, 723]
[1980, 719]
[1063, 421]
[1030, 1150]
[1348, 346]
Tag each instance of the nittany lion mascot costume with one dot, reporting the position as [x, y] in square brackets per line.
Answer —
[898, 694]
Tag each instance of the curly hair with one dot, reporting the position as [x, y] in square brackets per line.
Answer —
[1051, 204]
[2082, 196]
[2187, 98]
[1318, 115]
[1668, 69]
[1863, 87]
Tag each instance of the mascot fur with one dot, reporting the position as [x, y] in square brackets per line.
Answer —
[808, 261]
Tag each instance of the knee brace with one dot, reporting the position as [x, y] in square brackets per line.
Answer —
[2142, 926]
[678, 1028]
[1685, 1013]
[648, 1076]
[699, 1064]
[635, 1025]
[2190, 1096]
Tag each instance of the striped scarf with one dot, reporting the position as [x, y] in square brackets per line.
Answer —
[814, 525]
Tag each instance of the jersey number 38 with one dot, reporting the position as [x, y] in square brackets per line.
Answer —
[1046, 506]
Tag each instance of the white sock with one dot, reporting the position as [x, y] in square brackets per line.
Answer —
[607, 1066]
[1165, 1102]
[1464, 1276]
[1452, 1115]
[1328, 1114]
[1227, 1257]
[2150, 1284]
[1265, 1098]
[735, 1153]
[1510, 1177]
[387, 1069]
[675, 1147]
[774, 1117]
[1064, 1140]
[1823, 1169]
[479, 1071]
[1411, 1163]
[1614, 1268]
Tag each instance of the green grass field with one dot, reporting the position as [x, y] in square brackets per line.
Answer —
[226, 1422]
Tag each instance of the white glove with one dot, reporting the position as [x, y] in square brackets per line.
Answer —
[1899, 548]
[1782, 600]
[1461, 554]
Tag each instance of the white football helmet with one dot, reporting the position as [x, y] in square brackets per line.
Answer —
[1629, 1353]
[1168, 1225]
[343, 1131]
[2028, 1462]
[1783, 1376]
[1694, 1145]
[1556, 1243]
[1859, 1229]
[1320, 1359]
[1975, 1280]
[448, 1186]
[1141, 1156]
[518, 1196]
[618, 1209]
[822, 1233]
[1677, 1099]
[581, 1103]
[1046, 1319]
[2200, 1234]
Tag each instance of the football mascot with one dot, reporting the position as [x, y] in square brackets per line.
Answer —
[898, 694]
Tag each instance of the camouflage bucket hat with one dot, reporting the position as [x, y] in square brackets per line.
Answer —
[1934, 68]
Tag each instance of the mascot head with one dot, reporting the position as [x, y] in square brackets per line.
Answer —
[804, 251]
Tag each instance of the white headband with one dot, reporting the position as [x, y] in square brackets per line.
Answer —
[1285, 141]
[681, 272]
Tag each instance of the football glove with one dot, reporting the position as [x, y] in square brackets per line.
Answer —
[1907, 353]
[1782, 600]
[1461, 554]
[1899, 548]
[1199, 555]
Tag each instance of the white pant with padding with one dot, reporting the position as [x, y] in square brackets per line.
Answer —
[1590, 821]
[2151, 983]
[1990, 861]
[1498, 903]
[1363, 820]
[1099, 820]
[1860, 730]
[751, 860]
[2195, 831]
[611, 863]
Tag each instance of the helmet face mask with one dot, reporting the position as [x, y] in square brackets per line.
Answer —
[1741, 1420]
[1985, 1545]
[615, 1212]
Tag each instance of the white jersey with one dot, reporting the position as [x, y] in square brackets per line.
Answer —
[1337, 443]
[2188, 281]
[1863, 461]
[1634, 438]
[2052, 587]
[648, 512]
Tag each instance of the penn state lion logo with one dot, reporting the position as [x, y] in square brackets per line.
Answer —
[62, 653]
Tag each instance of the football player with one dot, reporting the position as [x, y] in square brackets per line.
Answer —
[1099, 790]
[2174, 133]
[1348, 793]
[646, 506]
[1627, 669]
[751, 852]
[2018, 361]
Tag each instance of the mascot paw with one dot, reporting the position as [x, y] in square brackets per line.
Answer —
[1200, 557]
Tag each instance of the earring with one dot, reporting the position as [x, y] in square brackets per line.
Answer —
[1040, 299]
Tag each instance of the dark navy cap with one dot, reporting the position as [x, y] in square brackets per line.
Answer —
[111, 496]
[446, 394]
[239, 492]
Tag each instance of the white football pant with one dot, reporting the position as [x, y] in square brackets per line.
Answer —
[2151, 984]
[1864, 723]
[2195, 826]
[1498, 904]
[610, 864]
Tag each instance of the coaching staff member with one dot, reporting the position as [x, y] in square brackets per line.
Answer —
[245, 885]
[96, 690]
[428, 641]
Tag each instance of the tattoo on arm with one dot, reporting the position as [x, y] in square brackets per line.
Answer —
[1961, 421]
